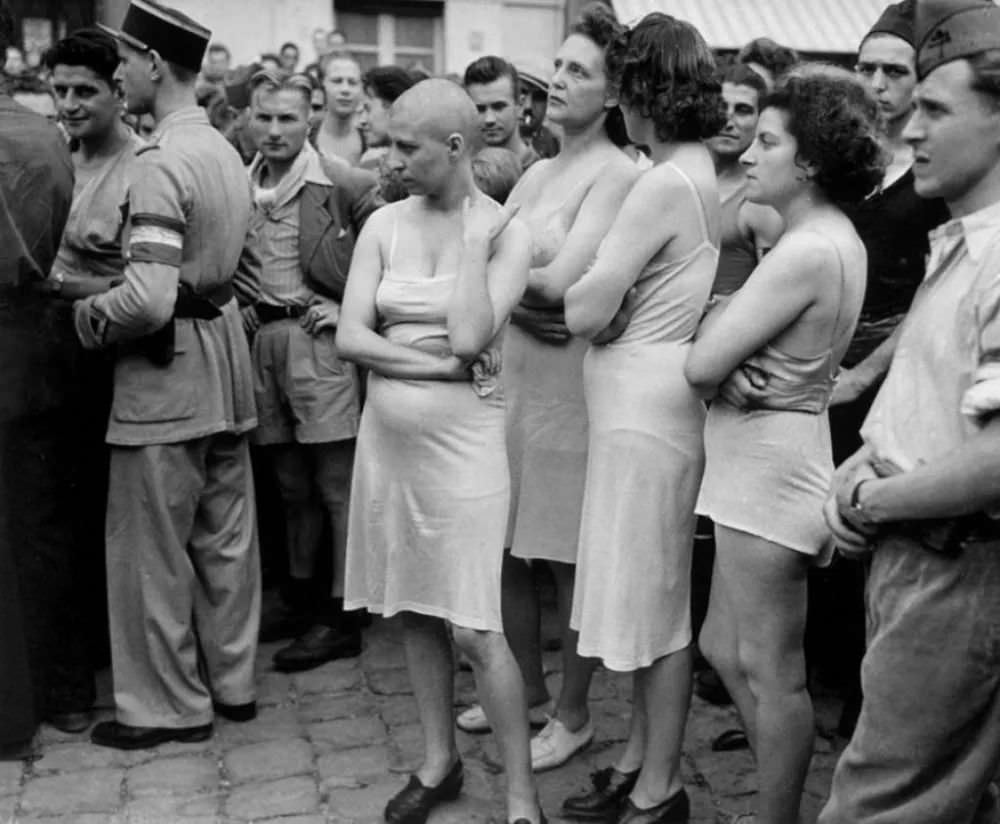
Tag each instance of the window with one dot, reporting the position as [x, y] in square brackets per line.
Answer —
[403, 34]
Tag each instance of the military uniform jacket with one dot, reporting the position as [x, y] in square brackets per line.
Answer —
[187, 219]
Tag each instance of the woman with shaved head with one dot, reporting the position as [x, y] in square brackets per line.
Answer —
[433, 281]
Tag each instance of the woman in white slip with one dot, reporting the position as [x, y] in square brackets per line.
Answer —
[568, 203]
[632, 602]
[769, 359]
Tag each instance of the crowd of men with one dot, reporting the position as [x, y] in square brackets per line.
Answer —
[177, 299]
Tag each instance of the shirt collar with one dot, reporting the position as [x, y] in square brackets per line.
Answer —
[979, 230]
[307, 168]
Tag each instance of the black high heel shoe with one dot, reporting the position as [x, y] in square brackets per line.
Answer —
[413, 804]
[675, 810]
[603, 802]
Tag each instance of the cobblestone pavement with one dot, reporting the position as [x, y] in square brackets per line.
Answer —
[332, 745]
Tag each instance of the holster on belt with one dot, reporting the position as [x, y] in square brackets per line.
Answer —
[158, 347]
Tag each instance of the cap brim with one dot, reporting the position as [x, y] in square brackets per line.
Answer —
[125, 38]
[528, 79]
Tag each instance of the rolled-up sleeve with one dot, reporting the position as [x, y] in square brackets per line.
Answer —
[982, 399]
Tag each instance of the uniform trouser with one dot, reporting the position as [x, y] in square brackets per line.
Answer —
[927, 743]
[183, 579]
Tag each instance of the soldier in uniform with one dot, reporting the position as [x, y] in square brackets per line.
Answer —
[183, 571]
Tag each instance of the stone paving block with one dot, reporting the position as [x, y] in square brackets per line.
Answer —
[293, 819]
[398, 709]
[390, 682]
[82, 818]
[271, 723]
[186, 775]
[80, 756]
[313, 708]
[347, 733]
[334, 677]
[10, 776]
[86, 791]
[268, 760]
[362, 803]
[287, 796]
[273, 688]
[157, 808]
[8, 804]
[353, 768]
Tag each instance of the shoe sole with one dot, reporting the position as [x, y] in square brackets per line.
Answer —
[534, 725]
[566, 760]
[181, 737]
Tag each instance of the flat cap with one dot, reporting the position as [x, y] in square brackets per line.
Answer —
[896, 20]
[151, 26]
[948, 30]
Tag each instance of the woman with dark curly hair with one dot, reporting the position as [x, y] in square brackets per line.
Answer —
[632, 600]
[568, 203]
[769, 358]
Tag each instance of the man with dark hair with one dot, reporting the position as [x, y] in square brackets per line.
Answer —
[289, 54]
[493, 85]
[308, 211]
[217, 62]
[769, 59]
[922, 496]
[36, 189]
[382, 85]
[183, 571]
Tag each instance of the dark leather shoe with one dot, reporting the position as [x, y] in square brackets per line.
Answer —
[675, 810]
[236, 712]
[414, 802]
[317, 646]
[604, 802]
[124, 737]
[70, 722]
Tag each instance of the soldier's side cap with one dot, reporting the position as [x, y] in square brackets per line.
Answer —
[952, 29]
[151, 26]
[896, 20]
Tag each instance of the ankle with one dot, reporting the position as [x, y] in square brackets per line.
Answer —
[434, 770]
[573, 719]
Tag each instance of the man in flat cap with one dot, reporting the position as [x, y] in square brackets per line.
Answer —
[183, 572]
[922, 495]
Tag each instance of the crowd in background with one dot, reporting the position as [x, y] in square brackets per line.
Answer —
[656, 335]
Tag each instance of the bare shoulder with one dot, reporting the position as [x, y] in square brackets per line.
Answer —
[799, 250]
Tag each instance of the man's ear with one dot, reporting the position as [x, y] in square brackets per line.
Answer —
[456, 144]
[157, 65]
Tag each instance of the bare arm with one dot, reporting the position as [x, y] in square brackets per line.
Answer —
[854, 381]
[548, 284]
[357, 339]
[761, 225]
[489, 285]
[776, 294]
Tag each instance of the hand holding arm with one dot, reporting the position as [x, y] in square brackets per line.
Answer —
[851, 383]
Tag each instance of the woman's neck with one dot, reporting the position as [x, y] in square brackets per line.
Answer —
[576, 142]
[797, 210]
[105, 145]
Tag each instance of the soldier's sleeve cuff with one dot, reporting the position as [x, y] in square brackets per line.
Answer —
[91, 324]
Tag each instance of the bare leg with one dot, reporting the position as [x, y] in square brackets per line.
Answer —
[431, 668]
[522, 625]
[303, 513]
[720, 646]
[334, 462]
[767, 587]
[501, 691]
[571, 707]
[631, 758]
[665, 687]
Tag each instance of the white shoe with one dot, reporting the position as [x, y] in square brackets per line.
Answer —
[474, 719]
[555, 744]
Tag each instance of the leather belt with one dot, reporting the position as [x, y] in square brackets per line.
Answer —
[202, 305]
[948, 535]
[269, 313]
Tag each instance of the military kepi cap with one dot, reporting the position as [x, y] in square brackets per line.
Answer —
[949, 30]
[896, 20]
[151, 26]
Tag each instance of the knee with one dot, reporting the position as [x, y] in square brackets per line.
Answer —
[772, 672]
[476, 645]
[719, 649]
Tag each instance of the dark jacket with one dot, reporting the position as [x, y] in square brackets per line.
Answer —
[330, 219]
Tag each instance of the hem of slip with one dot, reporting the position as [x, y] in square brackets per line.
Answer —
[423, 609]
[814, 553]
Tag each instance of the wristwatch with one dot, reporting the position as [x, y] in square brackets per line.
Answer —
[863, 514]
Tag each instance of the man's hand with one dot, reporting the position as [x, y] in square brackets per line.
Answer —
[482, 221]
[251, 322]
[548, 325]
[619, 323]
[853, 535]
[849, 543]
[322, 314]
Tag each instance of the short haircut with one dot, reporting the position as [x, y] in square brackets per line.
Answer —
[6, 27]
[765, 52]
[272, 81]
[91, 48]
[740, 74]
[986, 74]
[182, 74]
[598, 23]
[289, 45]
[219, 48]
[834, 120]
[386, 82]
[327, 59]
[270, 56]
[489, 69]
[496, 171]
[665, 69]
